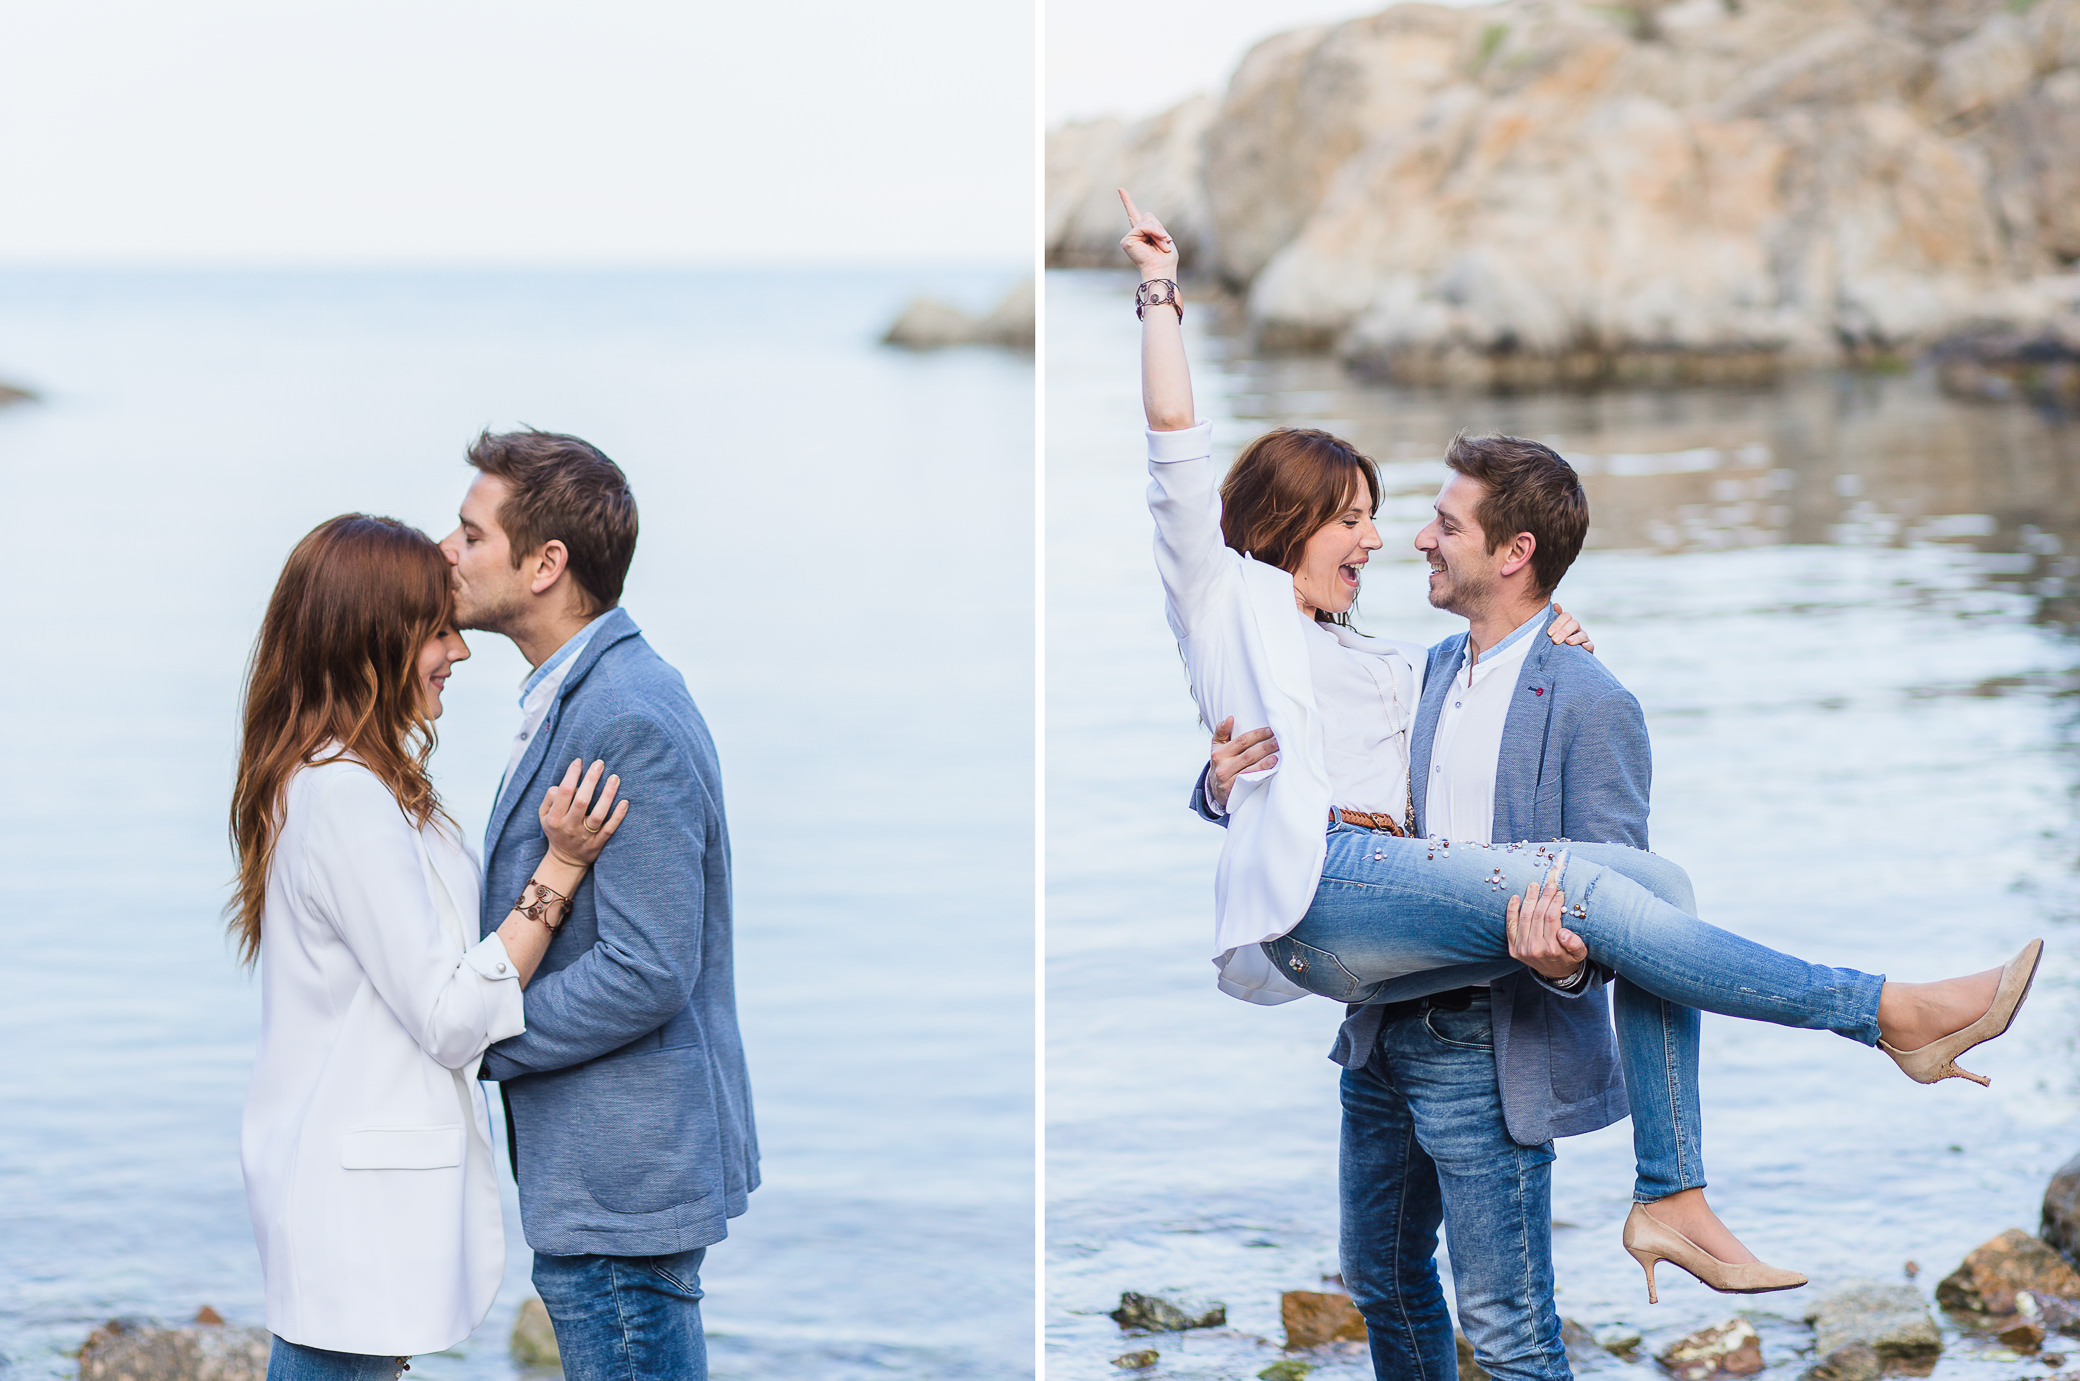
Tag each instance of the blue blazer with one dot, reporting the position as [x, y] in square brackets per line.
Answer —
[628, 1106]
[1575, 764]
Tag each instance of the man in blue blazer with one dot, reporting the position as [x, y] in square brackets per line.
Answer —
[1451, 1101]
[628, 1109]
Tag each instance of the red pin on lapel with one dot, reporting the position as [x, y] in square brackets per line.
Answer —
[1537, 690]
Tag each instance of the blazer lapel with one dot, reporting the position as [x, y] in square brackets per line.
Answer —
[1521, 766]
[614, 626]
[1437, 681]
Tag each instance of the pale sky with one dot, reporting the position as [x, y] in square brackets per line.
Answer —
[516, 132]
[1102, 60]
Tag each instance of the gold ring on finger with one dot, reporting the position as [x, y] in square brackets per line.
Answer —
[591, 828]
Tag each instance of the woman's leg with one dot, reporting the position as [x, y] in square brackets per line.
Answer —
[1387, 908]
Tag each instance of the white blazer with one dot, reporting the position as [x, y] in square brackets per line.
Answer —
[366, 1142]
[1244, 643]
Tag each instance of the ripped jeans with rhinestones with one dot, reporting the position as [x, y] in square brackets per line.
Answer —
[1399, 918]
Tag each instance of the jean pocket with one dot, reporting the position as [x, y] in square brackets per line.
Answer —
[1316, 970]
[672, 1271]
[1472, 1029]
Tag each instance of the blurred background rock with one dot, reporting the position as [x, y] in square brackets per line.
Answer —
[1545, 192]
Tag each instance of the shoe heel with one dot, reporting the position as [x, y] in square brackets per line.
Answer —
[1646, 1262]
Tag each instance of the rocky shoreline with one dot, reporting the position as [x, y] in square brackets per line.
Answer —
[1549, 193]
[2017, 1294]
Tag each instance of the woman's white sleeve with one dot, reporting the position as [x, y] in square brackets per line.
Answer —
[367, 876]
[1185, 499]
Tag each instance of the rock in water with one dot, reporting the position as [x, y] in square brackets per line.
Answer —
[1728, 1349]
[128, 1350]
[2061, 1225]
[1867, 1329]
[1137, 1361]
[534, 1337]
[1469, 1367]
[1313, 1317]
[929, 324]
[1285, 1369]
[1991, 1273]
[1154, 1314]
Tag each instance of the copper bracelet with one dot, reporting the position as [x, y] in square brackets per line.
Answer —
[545, 897]
[1144, 298]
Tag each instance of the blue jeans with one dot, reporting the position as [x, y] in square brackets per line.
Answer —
[1396, 918]
[287, 1361]
[1423, 1144]
[626, 1318]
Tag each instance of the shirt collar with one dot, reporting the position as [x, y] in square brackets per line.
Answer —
[556, 660]
[1516, 636]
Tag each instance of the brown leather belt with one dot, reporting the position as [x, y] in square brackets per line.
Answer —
[1372, 822]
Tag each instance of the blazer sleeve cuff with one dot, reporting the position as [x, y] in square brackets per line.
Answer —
[1193, 443]
[499, 984]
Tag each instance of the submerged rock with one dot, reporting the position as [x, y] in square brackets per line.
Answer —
[1154, 1314]
[1986, 1281]
[534, 1337]
[1137, 1360]
[1866, 1329]
[929, 324]
[132, 1350]
[1544, 191]
[2041, 367]
[1285, 1369]
[1727, 1349]
[1314, 1317]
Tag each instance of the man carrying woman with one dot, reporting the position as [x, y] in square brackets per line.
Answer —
[1321, 887]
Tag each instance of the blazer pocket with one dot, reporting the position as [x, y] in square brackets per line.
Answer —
[402, 1148]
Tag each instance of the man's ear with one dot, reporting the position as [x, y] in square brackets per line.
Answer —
[1517, 555]
[549, 565]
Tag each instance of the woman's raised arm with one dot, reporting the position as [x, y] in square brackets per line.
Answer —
[1166, 379]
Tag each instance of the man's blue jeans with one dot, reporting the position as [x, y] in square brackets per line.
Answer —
[1424, 1144]
[625, 1318]
[1397, 918]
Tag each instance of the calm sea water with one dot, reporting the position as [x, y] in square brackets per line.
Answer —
[1847, 605]
[836, 552]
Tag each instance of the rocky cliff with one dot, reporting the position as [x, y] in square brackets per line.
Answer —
[1546, 191]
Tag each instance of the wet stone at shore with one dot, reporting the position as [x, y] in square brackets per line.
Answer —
[1314, 1317]
[1866, 1329]
[1986, 1281]
[1731, 1348]
[134, 1350]
[1138, 1360]
[1155, 1314]
[2061, 1223]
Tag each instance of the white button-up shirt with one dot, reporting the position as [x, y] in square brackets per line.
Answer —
[538, 691]
[1459, 797]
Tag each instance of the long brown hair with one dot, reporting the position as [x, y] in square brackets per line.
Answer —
[1284, 487]
[336, 662]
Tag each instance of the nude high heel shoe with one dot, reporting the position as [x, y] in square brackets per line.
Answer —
[1649, 1240]
[1938, 1059]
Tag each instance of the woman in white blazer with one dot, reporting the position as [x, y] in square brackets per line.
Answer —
[1320, 890]
[366, 1141]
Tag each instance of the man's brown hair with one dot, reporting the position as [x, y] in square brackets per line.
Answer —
[1529, 489]
[562, 489]
[1285, 487]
